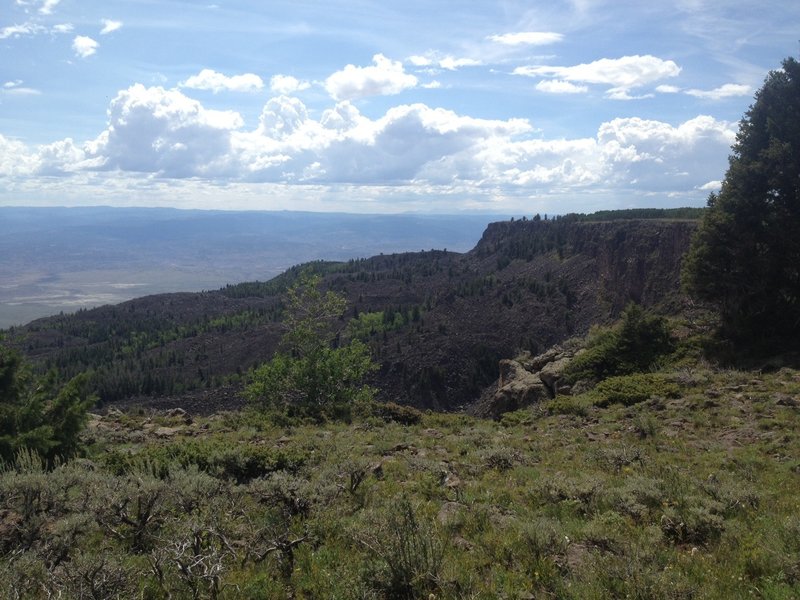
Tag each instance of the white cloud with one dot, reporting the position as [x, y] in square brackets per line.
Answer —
[420, 61]
[109, 26]
[84, 46]
[656, 155]
[163, 132]
[384, 78]
[286, 84]
[711, 186]
[432, 61]
[451, 63]
[622, 74]
[529, 38]
[16, 31]
[209, 79]
[624, 94]
[667, 89]
[729, 90]
[433, 85]
[415, 148]
[15, 158]
[48, 6]
[15, 88]
[557, 86]
[63, 28]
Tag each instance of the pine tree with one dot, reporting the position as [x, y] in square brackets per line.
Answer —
[745, 258]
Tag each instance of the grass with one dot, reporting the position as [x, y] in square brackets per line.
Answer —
[685, 494]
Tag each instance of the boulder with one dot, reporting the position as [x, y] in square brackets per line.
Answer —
[552, 372]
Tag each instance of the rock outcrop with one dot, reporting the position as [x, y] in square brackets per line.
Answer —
[524, 381]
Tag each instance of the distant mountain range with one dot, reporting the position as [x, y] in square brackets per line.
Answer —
[63, 259]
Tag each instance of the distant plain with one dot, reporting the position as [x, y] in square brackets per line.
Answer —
[64, 259]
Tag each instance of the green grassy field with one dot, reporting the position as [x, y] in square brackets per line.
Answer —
[689, 496]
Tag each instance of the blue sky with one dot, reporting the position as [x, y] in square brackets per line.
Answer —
[498, 107]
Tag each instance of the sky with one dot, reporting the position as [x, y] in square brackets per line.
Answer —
[501, 107]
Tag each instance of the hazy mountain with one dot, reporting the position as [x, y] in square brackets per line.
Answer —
[63, 259]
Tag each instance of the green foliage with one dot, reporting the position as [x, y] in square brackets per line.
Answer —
[38, 416]
[240, 463]
[309, 378]
[539, 506]
[410, 552]
[632, 345]
[391, 411]
[745, 258]
[684, 213]
[369, 324]
[632, 389]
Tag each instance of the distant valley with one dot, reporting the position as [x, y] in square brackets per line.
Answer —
[64, 259]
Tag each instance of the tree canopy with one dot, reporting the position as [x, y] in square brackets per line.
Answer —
[36, 415]
[310, 378]
[745, 258]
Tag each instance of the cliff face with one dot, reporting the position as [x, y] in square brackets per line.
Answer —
[447, 318]
[635, 261]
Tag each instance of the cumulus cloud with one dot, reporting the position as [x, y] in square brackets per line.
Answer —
[109, 26]
[621, 74]
[667, 89]
[557, 86]
[15, 158]
[656, 155]
[152, 131]
[84, 46]
[728, 90]
[208, 79]
[528, 38]
[385, 78]
[286, 84]
[63, 28]
[164, 132]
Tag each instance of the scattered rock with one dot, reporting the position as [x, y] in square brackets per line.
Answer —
[449, 512]
[166, 432]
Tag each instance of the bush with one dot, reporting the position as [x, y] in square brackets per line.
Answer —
[632, 345]
[632, 389]
[391, 411]
[311, 379]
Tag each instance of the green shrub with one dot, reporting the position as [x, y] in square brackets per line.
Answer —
[410, 552]
[240, 462]
[632, 345]
[568, 405]
[632, 389]
[391, 411]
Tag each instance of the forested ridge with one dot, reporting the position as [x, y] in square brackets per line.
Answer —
[534, 282]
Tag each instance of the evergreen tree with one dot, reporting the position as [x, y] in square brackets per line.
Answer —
[36, 415]
[745, 258]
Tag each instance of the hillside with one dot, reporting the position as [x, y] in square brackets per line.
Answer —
[687, 496]
[437, 321]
